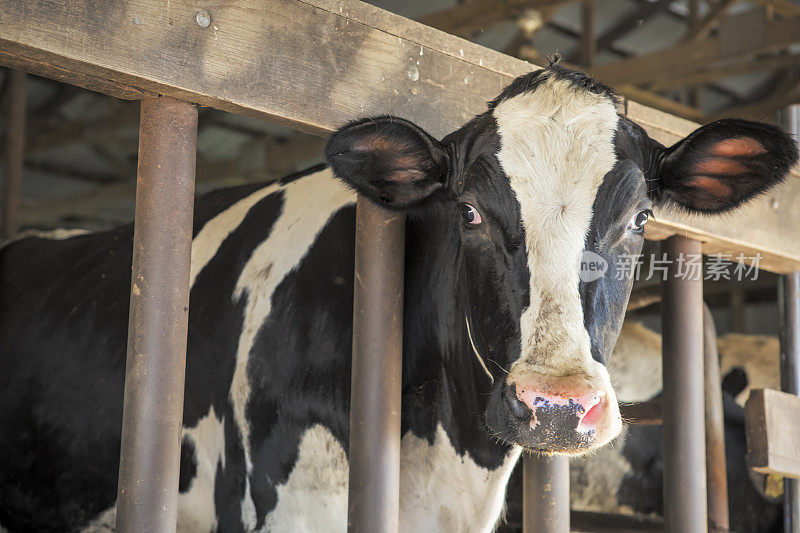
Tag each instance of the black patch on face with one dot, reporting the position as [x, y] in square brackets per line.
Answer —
[188, 465]
[622, 194]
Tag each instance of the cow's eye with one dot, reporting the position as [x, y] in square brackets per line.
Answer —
[639, 220]
[470, 215]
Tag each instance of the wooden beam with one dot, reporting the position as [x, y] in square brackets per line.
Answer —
[766, 108]
[313, 66]
[630, 22]
[685, 57]
[772, 424]
[744, 66]
[702, 27]
[785, 8]
[466, 19]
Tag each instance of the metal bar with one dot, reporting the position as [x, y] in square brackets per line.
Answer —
[545, 494]
[15, 151]
[682, 353]
[374, 498]
[716, 472]
[789, 302]
[790, 381]
[162, 242]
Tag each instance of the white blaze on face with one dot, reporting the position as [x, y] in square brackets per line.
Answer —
[556, 147]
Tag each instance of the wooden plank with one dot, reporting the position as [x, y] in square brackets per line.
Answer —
[772, 423]
[316, 64]
[689, 56]
[466, 18]
[735, 69]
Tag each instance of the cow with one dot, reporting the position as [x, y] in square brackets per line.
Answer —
[504, 344]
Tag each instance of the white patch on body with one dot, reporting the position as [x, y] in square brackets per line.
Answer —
[556, 147]
[440, 490]
[308, 204]
[105, 522]
[635, 364]
[206, 243]
[759, 355]
[314, 497]
[196, 507]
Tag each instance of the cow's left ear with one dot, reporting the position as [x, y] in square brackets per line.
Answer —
[389, 160]
[721, 165]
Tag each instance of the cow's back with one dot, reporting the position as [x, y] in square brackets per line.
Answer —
[63, 333]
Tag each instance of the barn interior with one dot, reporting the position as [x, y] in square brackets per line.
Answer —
[80, 147]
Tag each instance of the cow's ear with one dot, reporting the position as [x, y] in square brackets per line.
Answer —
[721, 165]
[389, 160]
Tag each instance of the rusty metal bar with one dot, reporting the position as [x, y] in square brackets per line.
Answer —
[682, 353]
[545, 494]
[162, 242]
[789, 296]
[15, 151]
[374, 498]
[716, 471]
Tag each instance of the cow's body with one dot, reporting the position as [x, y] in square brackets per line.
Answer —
[270, 316]
[504, 343]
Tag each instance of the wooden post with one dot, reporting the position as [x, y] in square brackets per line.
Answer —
[15, 151]
[374, 491]
[684, 425]
[162, 242]
[545, 494]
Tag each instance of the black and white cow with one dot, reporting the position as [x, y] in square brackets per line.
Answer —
[504, 345]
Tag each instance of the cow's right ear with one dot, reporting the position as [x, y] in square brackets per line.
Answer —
[389, 160]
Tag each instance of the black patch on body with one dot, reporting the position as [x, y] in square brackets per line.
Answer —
[188, 465]
[63, 333]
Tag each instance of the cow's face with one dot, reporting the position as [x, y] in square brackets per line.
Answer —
[548, 175]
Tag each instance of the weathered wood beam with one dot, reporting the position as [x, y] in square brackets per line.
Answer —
[773, 432]
[465, 19]
[702, 27]
[349, 59]
[765, 108]
[564, 30]
[689, 56]
[628, 23]
[785, 8]
[744, 66]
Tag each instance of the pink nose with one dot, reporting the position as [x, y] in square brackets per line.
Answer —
[585, 407]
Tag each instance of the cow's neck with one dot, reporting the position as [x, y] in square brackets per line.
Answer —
[443, 382]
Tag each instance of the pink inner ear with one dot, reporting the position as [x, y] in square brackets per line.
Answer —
[719, 166]
[742, 147]
[711, 186]
[374, 143]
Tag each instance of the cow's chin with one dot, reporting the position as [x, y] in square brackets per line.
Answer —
[555, 429]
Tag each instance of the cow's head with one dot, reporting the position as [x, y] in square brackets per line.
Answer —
[548, 172]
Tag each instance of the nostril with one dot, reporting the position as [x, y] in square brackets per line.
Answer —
[518, 408]
[592, 417]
